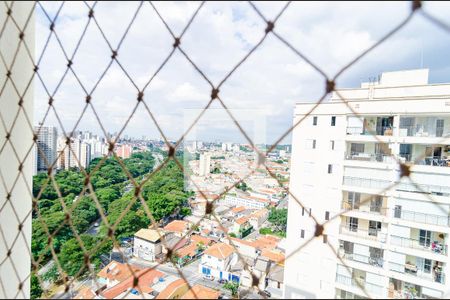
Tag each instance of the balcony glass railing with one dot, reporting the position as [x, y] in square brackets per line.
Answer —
[358, 130]
[373, 157]
[434, 247]
[370, 234]
[367, 182]
[411, 269]
[423, 188]
[373, 261]
[421, 217]
[360, 283]
[424, 130]
[435, 161]
[373, 209]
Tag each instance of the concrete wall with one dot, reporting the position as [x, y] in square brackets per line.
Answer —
[22, 139]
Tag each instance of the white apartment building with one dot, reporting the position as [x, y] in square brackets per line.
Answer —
[394, 239]
[204, 167]
[45, 156]
[245, 201]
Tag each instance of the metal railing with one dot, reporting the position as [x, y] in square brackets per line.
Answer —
[423, 130]
[435, 161]
[434, 247]
[421, 217]
[373, 261]
[370, 234]
[373, 209]
[367, 182]
[412, 269]
[357, 283]
[423, 188]
[373, 157]
[385, 130]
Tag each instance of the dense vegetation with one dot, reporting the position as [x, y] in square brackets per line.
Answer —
[164, 194]
[278, 220]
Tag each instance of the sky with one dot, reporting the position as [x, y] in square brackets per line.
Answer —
[263, 90]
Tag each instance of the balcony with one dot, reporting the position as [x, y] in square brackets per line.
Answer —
[421, 217]
[434, 247]
[360, 283]
[371, 157]
[373, 261]
[436, 155]
[433, 274]
[370, 126]
[367, 182]
[403, 290]
[372, 209]
[370, 234]
[424, 127]
[421, 188]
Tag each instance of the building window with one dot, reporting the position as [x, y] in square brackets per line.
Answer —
[302, 234]
[310, 212]
[332, 145]
[327, 215]
[325, 239]
[330, 169]
[303, 211]
[314, 121]
[314, 144]
[333, 121]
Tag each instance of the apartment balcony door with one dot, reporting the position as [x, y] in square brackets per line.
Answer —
[354, 199]
[425, 238]
[352, 224]
[374, 228]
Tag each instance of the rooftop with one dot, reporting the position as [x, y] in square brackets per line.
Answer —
[220, 250]
[150, 235]
[177, 226]
[201, 292]
[145, 277]
[168, 292]
[117, 271]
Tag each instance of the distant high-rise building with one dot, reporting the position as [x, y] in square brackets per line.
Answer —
[205, 164]
[85, 154]
[124, 151]
[45, 154]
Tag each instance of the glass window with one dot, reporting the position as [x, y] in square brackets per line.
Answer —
[333, 121]
[302, 234]
[327, 215]
[315, 121]
[330, 169]
[332, 145]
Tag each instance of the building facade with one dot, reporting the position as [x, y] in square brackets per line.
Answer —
[204, 167]
[393, 233]
[45, 152]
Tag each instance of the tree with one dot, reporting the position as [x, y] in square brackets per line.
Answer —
[36, 290]
[242, 186]
[71, 256]
[278, 217]
[232, 287]
[52, 275]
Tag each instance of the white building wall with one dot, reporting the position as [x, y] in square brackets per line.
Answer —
[22, 138]
[319, 191]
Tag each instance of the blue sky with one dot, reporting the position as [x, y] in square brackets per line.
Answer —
[271, 80]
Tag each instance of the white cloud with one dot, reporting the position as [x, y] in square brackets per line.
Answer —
[273, 78]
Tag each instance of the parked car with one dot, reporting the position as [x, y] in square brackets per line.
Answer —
[208, 277]
[223, 281]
